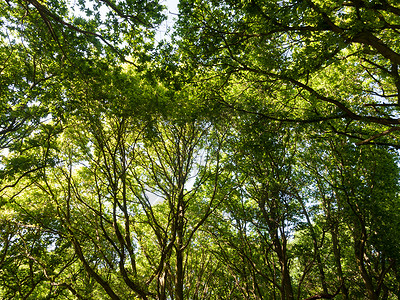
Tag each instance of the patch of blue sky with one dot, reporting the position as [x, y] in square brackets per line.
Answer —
[171, 11]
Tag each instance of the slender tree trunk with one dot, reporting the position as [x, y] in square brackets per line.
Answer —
[360, 236]
[179, 249]
[280, 249]
[279, 243]
[179, 274]
[316, 249]
[162, 282]
[287, 285]
[334, 230]
[286, 282]
[336, 254]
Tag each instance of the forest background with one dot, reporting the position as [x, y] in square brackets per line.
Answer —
[250, 153]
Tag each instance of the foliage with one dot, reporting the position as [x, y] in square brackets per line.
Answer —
[251, 155]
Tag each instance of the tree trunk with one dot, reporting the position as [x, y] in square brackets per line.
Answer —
[279, 243]
[360, 236]
[336, 254]
[179, 250]
[316, 249]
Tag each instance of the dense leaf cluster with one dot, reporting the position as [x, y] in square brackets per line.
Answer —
[253, 154]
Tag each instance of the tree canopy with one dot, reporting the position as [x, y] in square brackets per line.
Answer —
[250, 154]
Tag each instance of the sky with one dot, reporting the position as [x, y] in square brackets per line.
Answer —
[172, 6]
